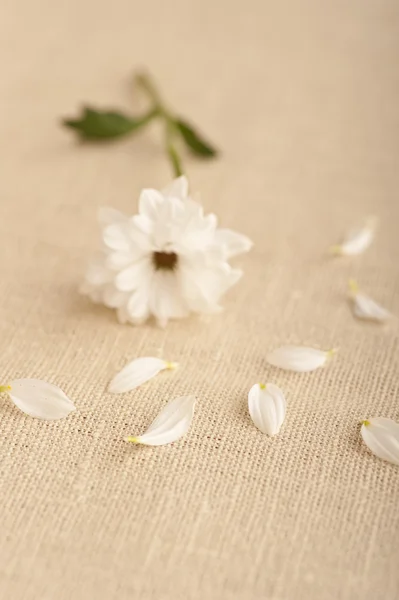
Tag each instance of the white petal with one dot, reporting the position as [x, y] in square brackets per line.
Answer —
[116, 237]
[120, 260]
[203, 285]
[107, 215]
[298, 358]
[140, 241]
[166, 299]
[138, 306]
[113, 298]
[357, 240]
[97, 273]
[143, 224]
[234, 243]
[178, 188]
[170, 425]
[198, 234]
[40, 399]
[366, 308]
[138, 372]
[267, 407]
[133, 276]
[169, 223]
[381, 435]
[93, 292]
[150, 202]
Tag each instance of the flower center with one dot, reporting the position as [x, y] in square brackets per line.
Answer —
[165, 260]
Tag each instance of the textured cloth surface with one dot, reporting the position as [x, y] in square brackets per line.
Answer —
[302, 98]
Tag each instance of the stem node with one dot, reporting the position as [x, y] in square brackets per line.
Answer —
[146, 83]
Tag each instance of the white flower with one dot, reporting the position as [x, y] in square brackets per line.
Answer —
[267, 407]
[39, 399]
[170, 425]
[366, 308]
[381, 435]
[138, 372]
[357, 240]
[167, 261]
[298, 358]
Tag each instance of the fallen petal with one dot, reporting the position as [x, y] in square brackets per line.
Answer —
[381, 435]
[357, 240]
[138, 372]
[267, 407]
[366, 308]
[170, 425]
[298, 358]
[40, 399]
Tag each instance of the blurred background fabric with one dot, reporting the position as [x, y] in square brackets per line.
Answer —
[302, 98]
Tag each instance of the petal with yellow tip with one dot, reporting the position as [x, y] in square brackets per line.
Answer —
[366, 308]
[39, 399]
[381, 436]
[357, 240]
[267, 407]
[137, 372]
[172, 423]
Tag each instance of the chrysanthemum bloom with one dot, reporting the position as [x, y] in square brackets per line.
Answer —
[167, 262]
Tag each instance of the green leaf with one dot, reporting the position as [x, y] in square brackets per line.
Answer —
[194, 140]
[104, 125]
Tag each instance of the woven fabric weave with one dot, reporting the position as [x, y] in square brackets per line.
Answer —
[302, 99]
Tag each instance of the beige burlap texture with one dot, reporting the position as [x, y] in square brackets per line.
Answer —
[302, 98]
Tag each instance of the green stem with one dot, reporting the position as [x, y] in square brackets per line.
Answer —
[174, 157]
[159, 109]
[147, 118]
[175, 160]
[147, 84]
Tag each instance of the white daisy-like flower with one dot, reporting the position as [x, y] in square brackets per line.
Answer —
[167, 261]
